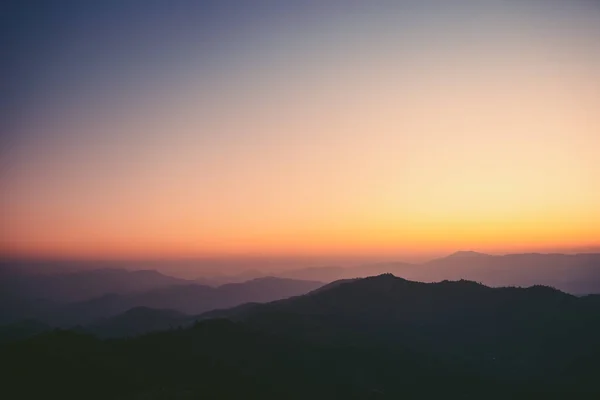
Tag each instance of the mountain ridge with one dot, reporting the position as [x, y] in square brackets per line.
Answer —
[376, 337]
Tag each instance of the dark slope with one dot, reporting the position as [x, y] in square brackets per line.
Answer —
[137, 321]
[379, 337]
[497, 328]
[219, 359]
[389, 298]
[21, 330]
[190, 299]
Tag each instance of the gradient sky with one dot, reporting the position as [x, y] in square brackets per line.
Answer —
[171, 128]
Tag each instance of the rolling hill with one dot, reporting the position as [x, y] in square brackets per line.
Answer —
[379, 337]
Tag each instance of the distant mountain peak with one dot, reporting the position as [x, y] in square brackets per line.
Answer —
[385, 276]
[385, 280]
[467, 254]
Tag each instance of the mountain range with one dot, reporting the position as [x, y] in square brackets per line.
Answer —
[83, 297]
[376, 337]
[102, 294]
[190, 299]
[573, 273]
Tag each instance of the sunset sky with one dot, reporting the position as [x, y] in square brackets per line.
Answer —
[135, 129]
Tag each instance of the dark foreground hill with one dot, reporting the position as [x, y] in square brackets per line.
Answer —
[379, 337]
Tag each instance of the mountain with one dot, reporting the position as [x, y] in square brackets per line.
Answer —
[331, 273]
[374, 338]
[389, 301]
[466, 254]
[536, 334]
[137, 321]
[189, 299]
[461, 319]
[577, 273]
[24, 296]
[83, 285]
[21, 330]
[82, 297]
[222, 279]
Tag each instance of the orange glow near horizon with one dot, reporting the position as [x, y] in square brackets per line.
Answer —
[346, 241]
[341, 140]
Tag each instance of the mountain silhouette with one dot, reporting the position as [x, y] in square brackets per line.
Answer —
[576, 273]
[22, 329]
[137, 321]
[467, 254]
[190, 298]
[43, 297]
[83, 285]
[330, 274]
[388, 298]
[461, 318]
[377, 337]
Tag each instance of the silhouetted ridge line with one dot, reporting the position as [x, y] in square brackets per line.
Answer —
[467, 254]
[376, 337]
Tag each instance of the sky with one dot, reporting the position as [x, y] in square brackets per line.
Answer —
[141, 129]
